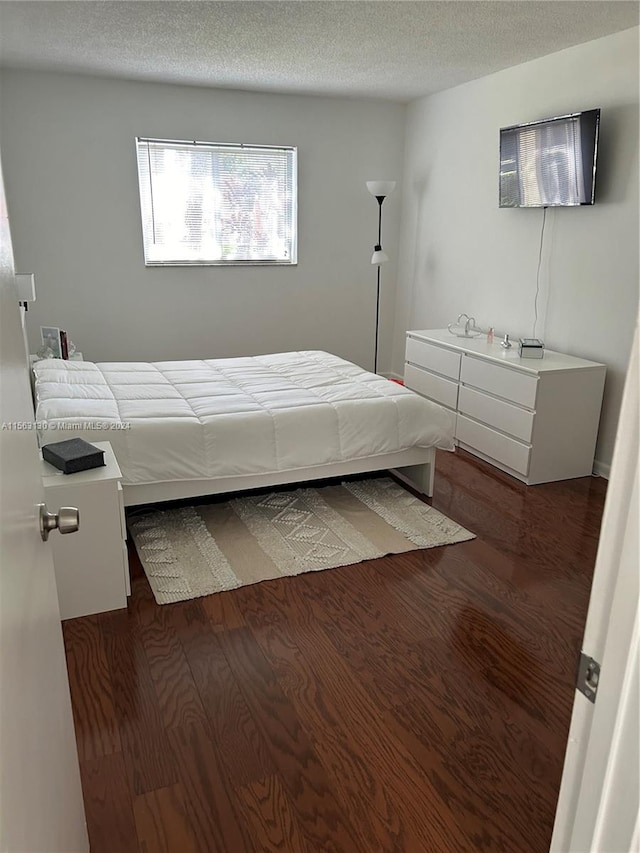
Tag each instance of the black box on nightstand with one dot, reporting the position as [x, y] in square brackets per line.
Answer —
[73, 455]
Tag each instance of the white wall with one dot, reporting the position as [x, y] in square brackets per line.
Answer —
[459, 252]
[68, 151]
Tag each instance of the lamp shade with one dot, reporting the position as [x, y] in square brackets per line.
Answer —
[26, 287]
[381, 188]
[379, 257]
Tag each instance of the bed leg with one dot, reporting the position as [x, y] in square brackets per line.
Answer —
[421, 477]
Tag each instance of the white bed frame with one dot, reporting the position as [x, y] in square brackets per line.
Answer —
[417, 469]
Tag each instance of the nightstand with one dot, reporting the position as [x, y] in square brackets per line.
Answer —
[91, 565]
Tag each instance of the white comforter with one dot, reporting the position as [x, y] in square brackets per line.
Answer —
[193, 420]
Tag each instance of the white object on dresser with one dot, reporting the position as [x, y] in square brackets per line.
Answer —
[92, 566]
[535, 419]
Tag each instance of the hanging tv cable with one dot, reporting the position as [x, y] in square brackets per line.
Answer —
[535, 303]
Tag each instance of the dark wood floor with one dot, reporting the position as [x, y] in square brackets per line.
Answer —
[417, 703]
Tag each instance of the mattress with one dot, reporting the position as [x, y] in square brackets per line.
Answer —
[193, 420]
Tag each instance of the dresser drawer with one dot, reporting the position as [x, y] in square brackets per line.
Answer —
[429, 385]
[503, 449]
[438, 359]
[496, 413]
[501, 381]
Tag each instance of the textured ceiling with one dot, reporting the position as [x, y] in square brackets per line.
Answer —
[398, 50]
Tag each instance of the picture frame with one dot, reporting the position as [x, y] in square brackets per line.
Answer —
[50, 337]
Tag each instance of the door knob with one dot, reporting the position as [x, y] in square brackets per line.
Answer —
[66, 520]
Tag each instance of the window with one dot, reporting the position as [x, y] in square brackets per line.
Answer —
[204, 203]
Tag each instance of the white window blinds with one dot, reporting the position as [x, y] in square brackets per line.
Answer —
[204, 203]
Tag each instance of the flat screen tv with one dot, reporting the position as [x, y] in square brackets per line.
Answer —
[550, 163]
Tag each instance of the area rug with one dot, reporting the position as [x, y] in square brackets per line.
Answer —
[197, 550]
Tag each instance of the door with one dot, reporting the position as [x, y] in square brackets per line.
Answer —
[600, 791]
[41, 809]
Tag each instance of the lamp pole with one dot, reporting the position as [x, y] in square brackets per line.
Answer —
[380, 190]
[378, 248]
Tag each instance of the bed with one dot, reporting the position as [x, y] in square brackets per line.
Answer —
[182, 429]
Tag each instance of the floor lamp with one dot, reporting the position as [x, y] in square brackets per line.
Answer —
[380, 190]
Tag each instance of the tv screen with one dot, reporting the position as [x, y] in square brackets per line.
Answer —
[550, 163]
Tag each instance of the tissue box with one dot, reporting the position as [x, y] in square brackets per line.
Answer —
[73, 455]
[530, 348]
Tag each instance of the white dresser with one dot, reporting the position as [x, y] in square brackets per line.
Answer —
[537, 419]
[92, 565]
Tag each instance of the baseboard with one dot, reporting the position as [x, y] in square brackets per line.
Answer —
[397, 376]
[602, 469]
